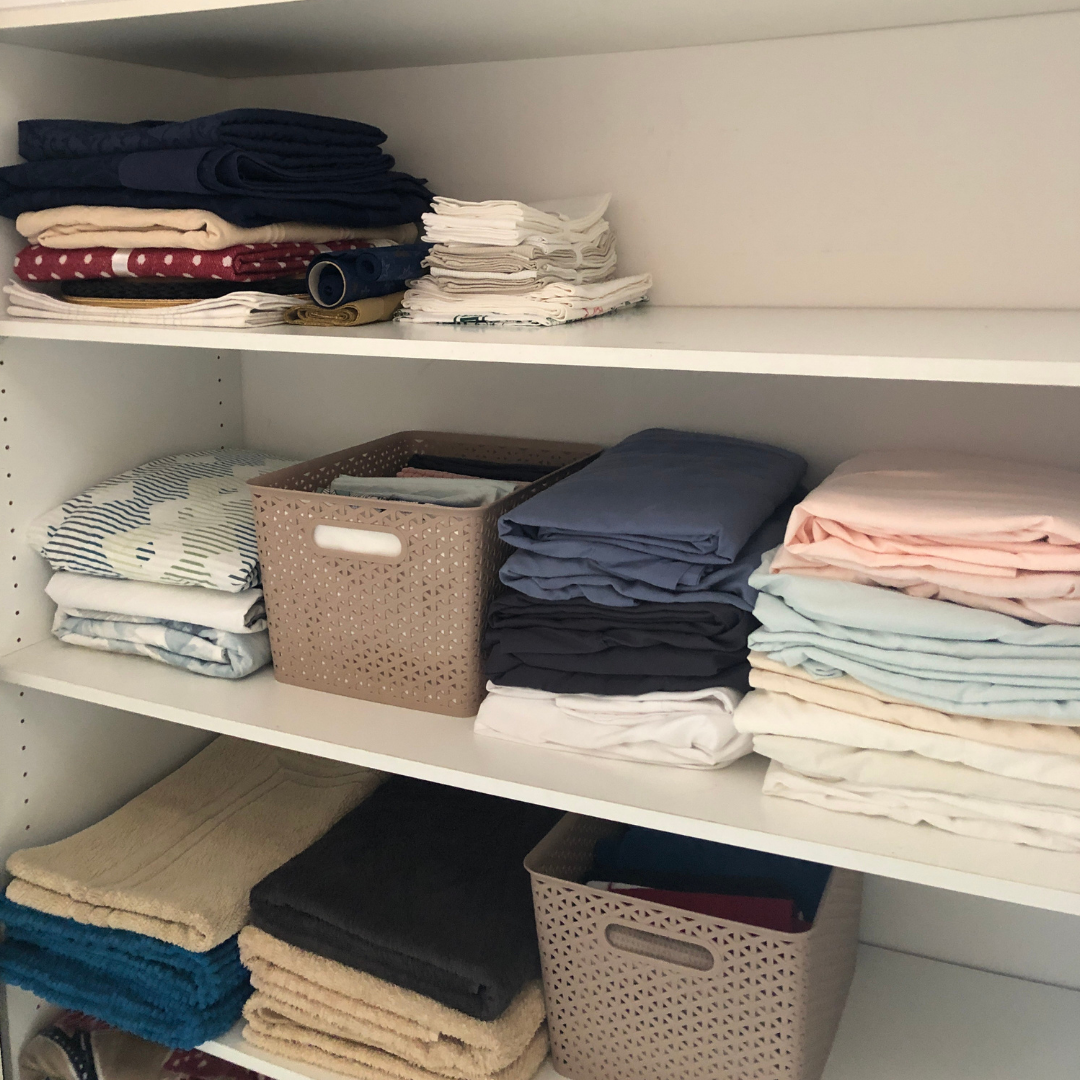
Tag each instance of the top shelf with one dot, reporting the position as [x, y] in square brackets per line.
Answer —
[241, 38]
[1039, 348]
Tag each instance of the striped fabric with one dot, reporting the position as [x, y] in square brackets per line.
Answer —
[180, 520]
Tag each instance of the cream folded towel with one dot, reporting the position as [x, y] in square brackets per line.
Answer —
[177, 862]
[316, 1006]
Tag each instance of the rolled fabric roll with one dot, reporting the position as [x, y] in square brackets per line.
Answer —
[360, 312]
[355, 275]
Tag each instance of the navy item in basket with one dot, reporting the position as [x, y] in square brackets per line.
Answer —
[334, 280]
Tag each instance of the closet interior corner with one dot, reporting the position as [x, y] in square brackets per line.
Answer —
[857, 232]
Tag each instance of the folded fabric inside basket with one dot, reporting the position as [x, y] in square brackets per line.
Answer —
[524, 472]
[422, 886]
[158, 991]
[441, 491]
[177, 862]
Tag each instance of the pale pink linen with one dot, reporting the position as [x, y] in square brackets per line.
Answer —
[977, 531]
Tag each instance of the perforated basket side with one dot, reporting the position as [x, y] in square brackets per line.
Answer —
[637, 991]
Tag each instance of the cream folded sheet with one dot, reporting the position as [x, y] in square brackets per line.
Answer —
[978, 531]
[128, 227]
[312, 1009]
[178, 861]
[506, 223]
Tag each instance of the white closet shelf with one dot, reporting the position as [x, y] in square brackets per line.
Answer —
[907, 1018]
[238, 38]
[976, 346]
[726, 805]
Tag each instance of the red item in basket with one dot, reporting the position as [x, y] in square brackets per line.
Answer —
[242, 262]
[768, 912]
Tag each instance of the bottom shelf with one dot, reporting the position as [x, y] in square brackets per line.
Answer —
[907, 1019]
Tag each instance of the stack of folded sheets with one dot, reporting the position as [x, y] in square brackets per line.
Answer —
[134, 920]
[206, 222]
[504, 261]
[626, 632]
[162, 562]
[919, 657]
[403, 943]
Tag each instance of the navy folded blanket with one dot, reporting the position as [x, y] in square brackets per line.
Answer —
[423, 886]
[334, 280]
[278, 130]
[520, 472]
[642, 852]
[140, 984]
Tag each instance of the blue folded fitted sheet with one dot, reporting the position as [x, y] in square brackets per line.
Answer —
[140, 984]
[334, 280]
[931, 652]
[279, 130]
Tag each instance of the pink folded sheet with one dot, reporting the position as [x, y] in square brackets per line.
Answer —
[991, 534]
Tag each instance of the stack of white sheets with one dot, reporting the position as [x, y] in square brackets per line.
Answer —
[504, 261]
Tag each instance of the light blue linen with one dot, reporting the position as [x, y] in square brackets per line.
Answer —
[930, 652]
[439, 490]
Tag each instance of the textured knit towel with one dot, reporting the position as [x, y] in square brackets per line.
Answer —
[177, 862]
[315, 996]
[140, 984]
[180, 520]
[422, 886]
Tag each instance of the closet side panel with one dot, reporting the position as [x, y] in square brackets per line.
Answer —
[924, 167]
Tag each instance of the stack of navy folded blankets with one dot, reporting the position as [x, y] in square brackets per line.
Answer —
[625, 631]
[214, 221]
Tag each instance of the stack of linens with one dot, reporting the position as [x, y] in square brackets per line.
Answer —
[134, 920]
[503, 261]
[161, 562]
[403, 943]
[626, 633]
[918, 657]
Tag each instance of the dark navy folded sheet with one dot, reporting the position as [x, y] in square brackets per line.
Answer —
[339, 279]
[275, 130]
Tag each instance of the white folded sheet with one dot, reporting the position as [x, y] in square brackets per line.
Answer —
[693, 729]
[90, 597]
[506, 223]
[985, 819]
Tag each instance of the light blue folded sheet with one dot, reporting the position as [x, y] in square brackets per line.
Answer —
[930, 652]
[440, 490]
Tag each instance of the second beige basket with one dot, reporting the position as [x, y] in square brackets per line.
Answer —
[640, 991]
[399, 618]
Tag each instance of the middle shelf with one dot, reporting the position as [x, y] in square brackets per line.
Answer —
[726, 805]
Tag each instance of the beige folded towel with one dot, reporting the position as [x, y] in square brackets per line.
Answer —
[358, 313]
[177, 862]
[312, 1009]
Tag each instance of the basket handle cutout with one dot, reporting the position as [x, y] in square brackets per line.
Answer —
[656, 947]
[375, 542]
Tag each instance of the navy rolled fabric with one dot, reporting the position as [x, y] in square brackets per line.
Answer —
[355, 275]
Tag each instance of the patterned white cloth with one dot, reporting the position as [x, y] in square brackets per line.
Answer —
[181, 520]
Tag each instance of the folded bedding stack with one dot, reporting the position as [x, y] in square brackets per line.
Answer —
[134, 920]
[919, 653]
[162, 562]
[403, 944]
[205, 222]
[626, 631]
[503, 261]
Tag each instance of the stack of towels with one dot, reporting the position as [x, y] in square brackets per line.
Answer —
[162, 562]
[403, 943]
[919, 653]
[503, 261]
[625, 633]
[135, 919]
[205, 222]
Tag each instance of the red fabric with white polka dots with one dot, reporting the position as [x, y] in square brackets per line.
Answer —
[244, 262]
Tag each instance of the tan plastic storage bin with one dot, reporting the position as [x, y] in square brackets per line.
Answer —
[401, 624]
[639, 991]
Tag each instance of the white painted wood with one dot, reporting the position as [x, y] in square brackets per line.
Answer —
[725, 805]
[1013, 347]
[906, 1019]
[239, 37]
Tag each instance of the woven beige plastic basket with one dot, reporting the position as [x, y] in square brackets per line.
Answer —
[637, 991]
[386, 600]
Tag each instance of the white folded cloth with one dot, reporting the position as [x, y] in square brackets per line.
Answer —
[236, 309]
[90, 597]
[507, 223]
[559, 302]
[985, 819]
[693, 729]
